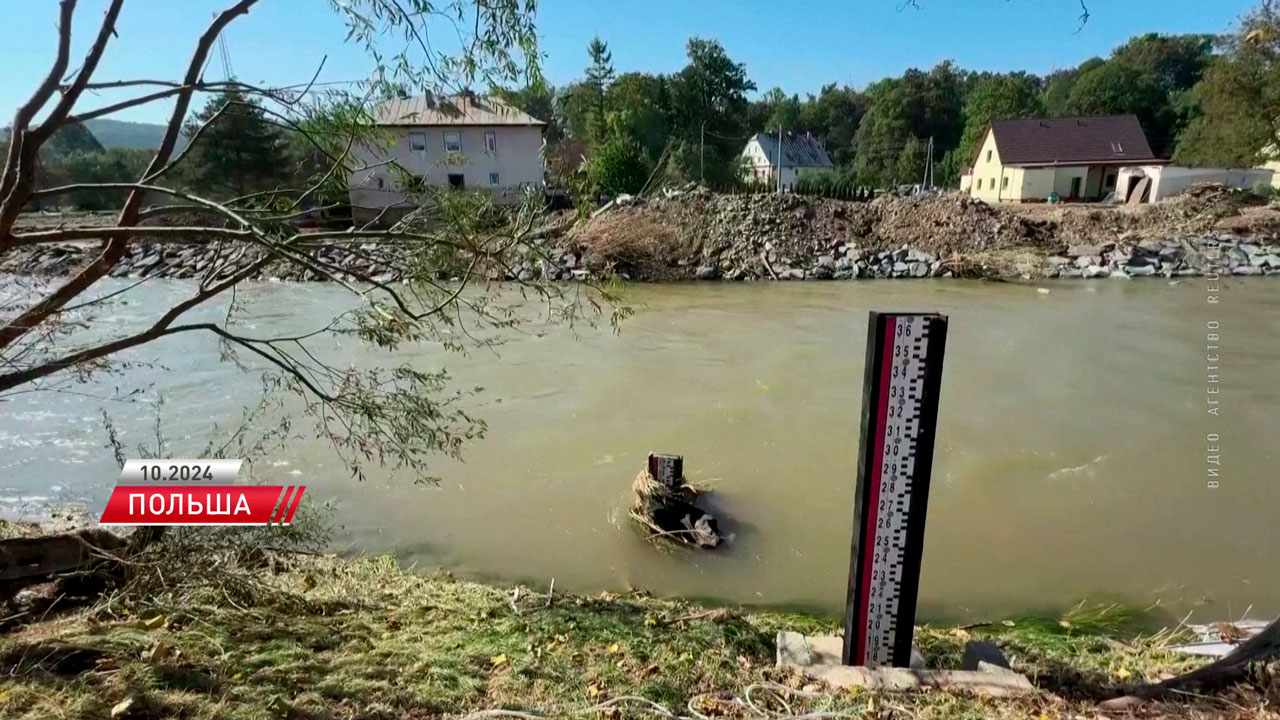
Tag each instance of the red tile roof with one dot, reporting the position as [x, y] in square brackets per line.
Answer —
[1116, 139]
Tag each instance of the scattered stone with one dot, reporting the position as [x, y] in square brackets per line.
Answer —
[705, 272]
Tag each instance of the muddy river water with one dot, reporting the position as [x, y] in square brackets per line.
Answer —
[1072, 454]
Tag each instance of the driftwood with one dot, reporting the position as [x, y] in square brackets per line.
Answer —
[669, 512]
[26, 561]
[1232, 668]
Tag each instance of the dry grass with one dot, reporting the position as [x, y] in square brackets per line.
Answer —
[632, 241]
[319, 637]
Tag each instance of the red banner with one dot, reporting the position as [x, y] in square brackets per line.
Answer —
[203, 505]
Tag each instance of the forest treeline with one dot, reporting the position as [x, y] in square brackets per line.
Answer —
[1202, 100]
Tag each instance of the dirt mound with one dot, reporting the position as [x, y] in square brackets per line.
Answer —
[669, 237]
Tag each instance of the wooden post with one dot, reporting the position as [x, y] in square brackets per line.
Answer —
[668, 470]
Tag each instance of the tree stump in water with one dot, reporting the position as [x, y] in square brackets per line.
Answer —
[663, 502]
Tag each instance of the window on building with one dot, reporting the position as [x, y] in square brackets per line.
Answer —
[1117, 148]
[1111, 180]
[418, 142]
[493, 178]
[1004, 182]
[988, 156]
[380, 183]
[456, 180]
[490, 141]
[453, 141]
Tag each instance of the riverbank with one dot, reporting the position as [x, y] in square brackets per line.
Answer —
[293, 635]
[700, 235]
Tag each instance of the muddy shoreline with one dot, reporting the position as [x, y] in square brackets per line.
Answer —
[1254, 255]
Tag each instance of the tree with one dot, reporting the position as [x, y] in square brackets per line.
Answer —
[917, 105]
[539, 100]
[53, 335]
[641, 106]
[234, 149]
[599, 77]
[1058, 85]
[112, 165]
[911, 162]
[784, 111]
[710, 94]
[997, 97]
[833, 117]
[1147, 77]
[1238, 98]
[618, 166]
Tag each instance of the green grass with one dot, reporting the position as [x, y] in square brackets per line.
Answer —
[331, 638]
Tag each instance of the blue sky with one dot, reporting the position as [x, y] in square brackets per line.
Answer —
[799, 46]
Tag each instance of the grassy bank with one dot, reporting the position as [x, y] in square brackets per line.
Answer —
[319, 637]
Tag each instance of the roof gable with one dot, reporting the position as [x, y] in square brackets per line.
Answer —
[1071, 141]
[797, 150]
[457, 110]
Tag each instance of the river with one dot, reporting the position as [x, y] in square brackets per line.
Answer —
[1071, 463]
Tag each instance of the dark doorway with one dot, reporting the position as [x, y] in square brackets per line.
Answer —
[455, 180]
[1075, 188]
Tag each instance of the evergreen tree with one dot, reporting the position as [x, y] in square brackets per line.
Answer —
[710, 94]
[599, 77]
[240, 152]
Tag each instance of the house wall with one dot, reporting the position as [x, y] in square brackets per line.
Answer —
[758, 167]
[1274, 167]
[1170, 180]
[988, 171]
[1037, 183]
[517, 160]
[1063, 178]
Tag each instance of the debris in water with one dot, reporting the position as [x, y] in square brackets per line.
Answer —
[662, 501]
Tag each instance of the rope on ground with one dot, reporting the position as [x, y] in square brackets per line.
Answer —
[745, 701]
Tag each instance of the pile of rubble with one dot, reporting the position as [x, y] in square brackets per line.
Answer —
[710, 235]
[697, 234]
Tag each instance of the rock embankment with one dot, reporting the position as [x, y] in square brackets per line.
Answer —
[699, 235]
[151, 258]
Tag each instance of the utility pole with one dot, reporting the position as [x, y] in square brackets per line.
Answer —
[779, 157]
[929, 183]
[702, 152]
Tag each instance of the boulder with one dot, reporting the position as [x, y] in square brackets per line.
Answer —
[1084, 251]
[707, 272]
[1096, 271]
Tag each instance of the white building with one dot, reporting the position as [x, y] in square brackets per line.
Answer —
[1165, 181]
[800, 155]
[466, 141]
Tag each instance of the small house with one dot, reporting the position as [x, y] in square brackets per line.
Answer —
[467, 141]
[1078, 159]
[764, 158]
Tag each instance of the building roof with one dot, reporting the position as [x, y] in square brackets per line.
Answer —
[457, 110]
[797, 150]
[1114, 139]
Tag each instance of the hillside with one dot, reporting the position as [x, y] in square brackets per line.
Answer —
[121, 133]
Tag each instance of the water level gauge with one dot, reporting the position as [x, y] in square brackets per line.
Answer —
[899, 417]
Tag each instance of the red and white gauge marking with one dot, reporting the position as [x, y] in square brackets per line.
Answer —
[903, 375]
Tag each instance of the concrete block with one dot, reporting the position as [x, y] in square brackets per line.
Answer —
[978, 653]
[819, 658]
